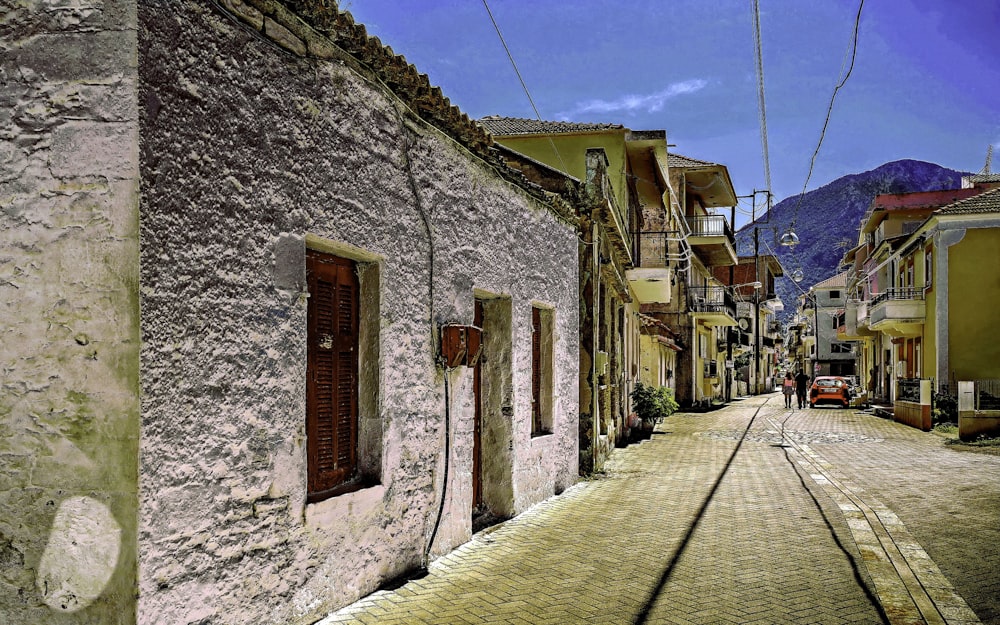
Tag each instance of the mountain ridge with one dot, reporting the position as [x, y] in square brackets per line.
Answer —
[828, 218]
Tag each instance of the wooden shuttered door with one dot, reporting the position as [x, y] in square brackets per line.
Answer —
[536, 370]
[332, 371]
[477, 421]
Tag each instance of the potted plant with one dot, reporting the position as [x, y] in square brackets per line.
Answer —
[653, 404]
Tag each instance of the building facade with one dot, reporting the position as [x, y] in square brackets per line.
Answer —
[920, 282]
[295, 332]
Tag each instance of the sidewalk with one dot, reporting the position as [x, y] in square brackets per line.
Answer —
[661, 539]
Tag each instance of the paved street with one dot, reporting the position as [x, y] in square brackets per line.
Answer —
[718, 518]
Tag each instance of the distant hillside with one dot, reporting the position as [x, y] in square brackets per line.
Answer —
[828, 218]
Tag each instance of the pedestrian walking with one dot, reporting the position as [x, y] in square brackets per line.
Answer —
[801, 385]
[788, 389]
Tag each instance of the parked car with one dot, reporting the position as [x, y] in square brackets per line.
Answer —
[830, 390]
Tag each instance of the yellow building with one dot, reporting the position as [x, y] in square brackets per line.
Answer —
[924, 284]
[658, 239]
[622, 176]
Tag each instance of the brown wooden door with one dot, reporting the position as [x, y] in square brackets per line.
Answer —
[536, 371]
[477, 429]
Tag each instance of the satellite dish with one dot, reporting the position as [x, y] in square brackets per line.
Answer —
[744, 324]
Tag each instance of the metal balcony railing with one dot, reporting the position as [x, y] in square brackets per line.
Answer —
[897, 294]
[709, 226]
[652, 248]
[987, 393]
[711, 299]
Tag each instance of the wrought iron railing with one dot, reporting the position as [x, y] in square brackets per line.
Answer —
[986, 393]
[711, 299]
[652, 248]
[898, 293]
[908, 389]
[709, 226]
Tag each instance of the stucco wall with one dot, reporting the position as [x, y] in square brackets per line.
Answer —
[68, 300]
[246, 150]
[973, 316]
[570, 155]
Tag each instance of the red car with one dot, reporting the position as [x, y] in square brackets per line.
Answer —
[830, 390]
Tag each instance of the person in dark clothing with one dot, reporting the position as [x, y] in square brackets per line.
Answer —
[801, 386]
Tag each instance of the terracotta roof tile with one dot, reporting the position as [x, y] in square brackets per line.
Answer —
[506, 126]
[678, 160]
[988, 202]
[833, 282]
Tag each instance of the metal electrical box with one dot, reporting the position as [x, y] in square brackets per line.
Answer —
[454, 345]
[461, 345]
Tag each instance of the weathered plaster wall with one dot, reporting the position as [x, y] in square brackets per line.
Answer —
[68, 300]
[246, 149]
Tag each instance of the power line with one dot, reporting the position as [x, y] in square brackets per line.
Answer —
[761, 107]
[521, 79]
[829, 110]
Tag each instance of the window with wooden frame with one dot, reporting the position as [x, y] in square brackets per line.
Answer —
[928, 266]
[331, 374]
[541, 371]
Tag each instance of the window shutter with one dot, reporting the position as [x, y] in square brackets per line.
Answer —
[331, 420]
[536, 370]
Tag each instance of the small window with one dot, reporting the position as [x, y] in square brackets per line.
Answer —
[834, 294]
[928, 266]
[331, 373]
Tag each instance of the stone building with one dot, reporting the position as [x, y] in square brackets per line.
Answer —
[236, 237]
[620, 176]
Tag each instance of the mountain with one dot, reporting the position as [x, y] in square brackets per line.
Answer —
[827, 220]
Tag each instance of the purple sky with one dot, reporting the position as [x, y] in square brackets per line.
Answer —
[926, 81]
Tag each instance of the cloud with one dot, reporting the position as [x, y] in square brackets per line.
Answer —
[631, 103]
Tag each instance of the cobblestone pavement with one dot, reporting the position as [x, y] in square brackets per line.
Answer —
[750, 514]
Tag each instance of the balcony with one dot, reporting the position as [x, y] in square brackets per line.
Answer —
[712, 304]
[651, 278]
[898, 312]
[855, 326]
[712, 240]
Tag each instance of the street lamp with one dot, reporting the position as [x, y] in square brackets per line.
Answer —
[789, 238]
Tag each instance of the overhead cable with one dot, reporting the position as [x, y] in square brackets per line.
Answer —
[521, 79]
[761, 107]
[829, 110]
